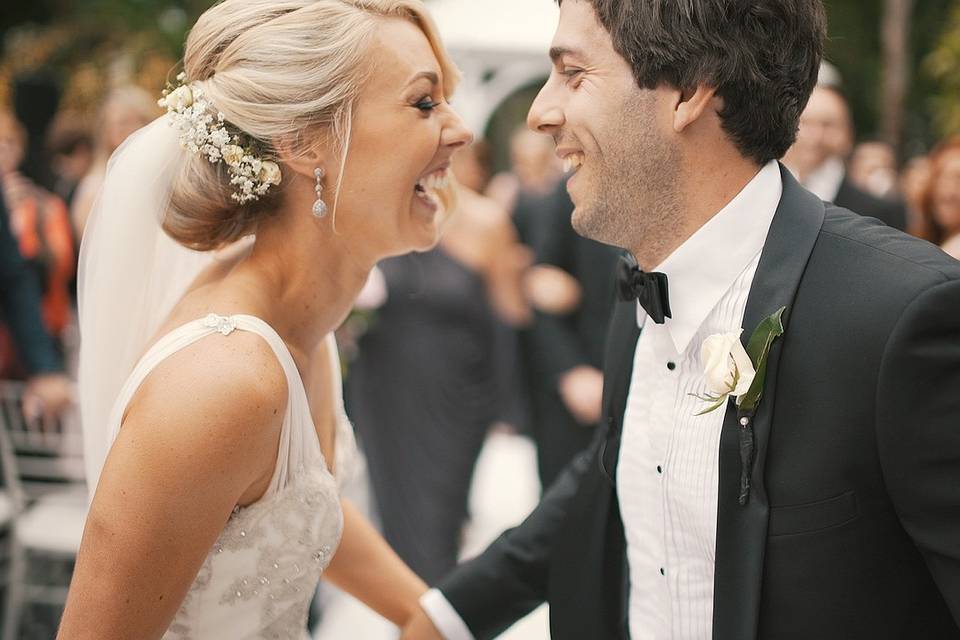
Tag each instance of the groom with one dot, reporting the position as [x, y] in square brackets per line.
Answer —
[831, 510]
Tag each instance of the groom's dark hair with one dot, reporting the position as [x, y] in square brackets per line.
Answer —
[762, 56]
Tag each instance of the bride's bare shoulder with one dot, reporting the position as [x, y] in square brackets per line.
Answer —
[220, 395]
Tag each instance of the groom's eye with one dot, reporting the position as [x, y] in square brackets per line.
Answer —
[572, 74]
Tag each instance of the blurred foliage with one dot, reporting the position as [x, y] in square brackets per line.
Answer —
[943, 64]
[855, 47]
[93, 44]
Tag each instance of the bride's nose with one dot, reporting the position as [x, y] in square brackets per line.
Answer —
[455, 134]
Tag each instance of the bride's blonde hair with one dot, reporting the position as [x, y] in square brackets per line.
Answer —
[280, 71]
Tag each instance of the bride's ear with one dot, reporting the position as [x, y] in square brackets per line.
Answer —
[302, 158]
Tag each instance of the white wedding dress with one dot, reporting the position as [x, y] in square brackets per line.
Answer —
[259, 578]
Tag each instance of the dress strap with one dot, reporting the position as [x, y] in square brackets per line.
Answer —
[298, 439]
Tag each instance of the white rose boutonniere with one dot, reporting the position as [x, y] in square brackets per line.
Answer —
[727, 368]
[732, 370]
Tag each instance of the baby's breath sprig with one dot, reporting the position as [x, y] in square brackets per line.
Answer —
[204, 131]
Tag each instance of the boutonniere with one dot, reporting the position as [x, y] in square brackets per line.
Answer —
[732, 371]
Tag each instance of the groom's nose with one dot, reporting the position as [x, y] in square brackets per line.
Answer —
[546, 114]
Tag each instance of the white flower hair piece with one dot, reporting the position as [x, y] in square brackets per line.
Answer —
[206, 134]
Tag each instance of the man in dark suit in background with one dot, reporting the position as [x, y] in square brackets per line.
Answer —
[782, 421]
[563, 352]
[819, 156]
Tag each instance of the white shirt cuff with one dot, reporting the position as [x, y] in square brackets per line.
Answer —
[444, 617]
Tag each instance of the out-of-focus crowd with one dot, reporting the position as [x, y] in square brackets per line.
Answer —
[920, 196]
[51, 166]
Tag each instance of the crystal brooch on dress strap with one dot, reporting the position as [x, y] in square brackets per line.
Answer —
[225, 326]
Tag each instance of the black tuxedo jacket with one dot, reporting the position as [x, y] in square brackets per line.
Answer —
[852, 529]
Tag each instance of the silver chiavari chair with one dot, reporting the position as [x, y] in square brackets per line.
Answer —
[44, 481]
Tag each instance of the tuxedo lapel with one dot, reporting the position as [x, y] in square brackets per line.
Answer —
[742, 530]
[618, 369]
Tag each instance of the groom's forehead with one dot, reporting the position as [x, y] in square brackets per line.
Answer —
[579, 31]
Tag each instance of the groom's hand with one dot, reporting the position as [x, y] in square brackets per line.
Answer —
[581, 390]
[419, 627]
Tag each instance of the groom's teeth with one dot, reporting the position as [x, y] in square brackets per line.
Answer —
[572, 162]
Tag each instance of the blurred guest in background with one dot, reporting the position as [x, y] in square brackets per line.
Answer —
[71, 153]
[818, 158]
[564, 349]
[534, 169]
[570, 287]
[913, 184]
[939, 219]
[36, 97]
[48, 390]
[40, 225]
[873, 169]
[427, 381]
[126, 109]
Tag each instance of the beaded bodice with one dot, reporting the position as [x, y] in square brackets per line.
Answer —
[259, 577]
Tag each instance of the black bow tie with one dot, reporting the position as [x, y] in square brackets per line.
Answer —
[650, 289]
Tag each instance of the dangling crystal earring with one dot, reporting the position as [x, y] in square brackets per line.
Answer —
[319, 207]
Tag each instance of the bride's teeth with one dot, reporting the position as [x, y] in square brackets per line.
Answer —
[436, 180]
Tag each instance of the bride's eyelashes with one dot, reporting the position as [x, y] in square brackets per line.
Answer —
[426, 104]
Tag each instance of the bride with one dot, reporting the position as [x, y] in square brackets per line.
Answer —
[210, 391]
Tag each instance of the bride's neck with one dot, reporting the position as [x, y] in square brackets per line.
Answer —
[307, 276]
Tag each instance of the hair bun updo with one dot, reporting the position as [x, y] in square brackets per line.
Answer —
[279, 71]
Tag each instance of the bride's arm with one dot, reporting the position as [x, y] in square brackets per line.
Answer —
[367, 568]
[192, 446]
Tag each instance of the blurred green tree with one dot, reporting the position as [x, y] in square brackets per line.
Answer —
[943, 64]
[855, 46]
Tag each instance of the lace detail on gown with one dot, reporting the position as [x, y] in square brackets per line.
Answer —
[259, 578]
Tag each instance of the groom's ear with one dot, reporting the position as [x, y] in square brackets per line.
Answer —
[690, 106]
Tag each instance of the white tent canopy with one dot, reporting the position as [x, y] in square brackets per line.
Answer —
[514, 26]
[500, 45]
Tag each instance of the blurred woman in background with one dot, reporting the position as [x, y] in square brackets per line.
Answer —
[126, 109]
[939, 212]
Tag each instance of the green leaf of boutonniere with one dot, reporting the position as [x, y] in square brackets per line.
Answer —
[714, 402]
[758, 348]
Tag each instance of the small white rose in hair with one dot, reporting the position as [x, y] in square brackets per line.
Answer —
[180, 98]
[232, 154]
[727, 368]
[270, 173]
